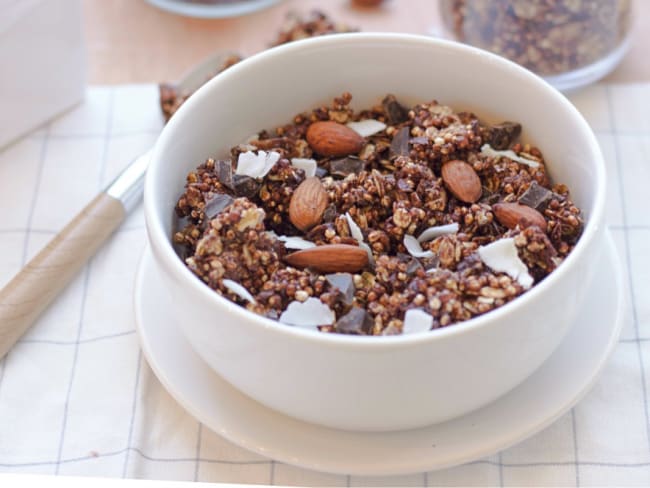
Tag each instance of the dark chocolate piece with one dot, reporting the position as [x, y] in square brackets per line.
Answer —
[216, 204]
[223, 169]
[502, 135]
[343, 282]
[345, 166]
[536, 196]
[357, 321]
[245, 186]
[395, 111]
[399, 146]
[321, 172]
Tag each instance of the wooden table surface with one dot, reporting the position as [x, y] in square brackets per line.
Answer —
[130, 41]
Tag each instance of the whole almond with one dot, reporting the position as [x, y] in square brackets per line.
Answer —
[512, 215]
[308, 203]
[462, 181]
[333, 139]
[330, 258]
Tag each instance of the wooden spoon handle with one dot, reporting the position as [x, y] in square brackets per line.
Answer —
[40, 281]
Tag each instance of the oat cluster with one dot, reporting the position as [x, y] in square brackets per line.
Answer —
[396, 186]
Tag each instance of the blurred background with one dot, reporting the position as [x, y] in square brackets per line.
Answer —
[133, 41]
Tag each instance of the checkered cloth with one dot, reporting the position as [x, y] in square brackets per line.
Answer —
[77, 397]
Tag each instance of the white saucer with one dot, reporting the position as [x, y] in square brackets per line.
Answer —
[546, 395]
[212, 11]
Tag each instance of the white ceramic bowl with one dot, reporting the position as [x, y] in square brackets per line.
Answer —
[375, 383]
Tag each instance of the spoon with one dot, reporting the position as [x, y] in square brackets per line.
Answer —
[30, 292]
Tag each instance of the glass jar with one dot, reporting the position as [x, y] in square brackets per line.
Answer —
[571, 43]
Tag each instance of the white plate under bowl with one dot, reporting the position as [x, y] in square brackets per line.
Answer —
[212, 11]
[552, 390]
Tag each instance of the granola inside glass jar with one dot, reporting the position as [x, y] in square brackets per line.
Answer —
[571, 43]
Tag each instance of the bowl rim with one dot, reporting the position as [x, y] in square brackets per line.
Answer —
[163, 250]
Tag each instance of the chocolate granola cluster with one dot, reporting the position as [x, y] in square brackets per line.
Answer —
[384, 221]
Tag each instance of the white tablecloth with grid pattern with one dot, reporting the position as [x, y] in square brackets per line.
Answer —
[77, 397]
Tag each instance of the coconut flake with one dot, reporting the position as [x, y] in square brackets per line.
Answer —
[366, 127]
[256, 165]
[488, 150]
[293, 242]
[414, 248]
[437, 231]
[366, 247]
[416, 320]
[310, 313]
[502, 256]
[239, 290]
[308, 165]
[355, 230]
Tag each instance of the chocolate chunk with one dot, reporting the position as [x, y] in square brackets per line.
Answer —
[216, 204]
[357, 321]
[412, 264]
[343, 282]
[345, 166]
[223, 169]
[399, 146]
[321, 172]
[245, 186]
[502, 135]
[396, 112]
[419, 140]
[536, 196]
[330, 213]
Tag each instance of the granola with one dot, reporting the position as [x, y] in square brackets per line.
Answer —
[434, 218]
[549, 37]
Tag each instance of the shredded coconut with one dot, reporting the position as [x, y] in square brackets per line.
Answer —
[310, 313]
[414, 248]
[487, 150]
[307, 165]
[502, 256]
[437, 231]
[366, 127]
[256, 165]
[239, 290]
[416, 320]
